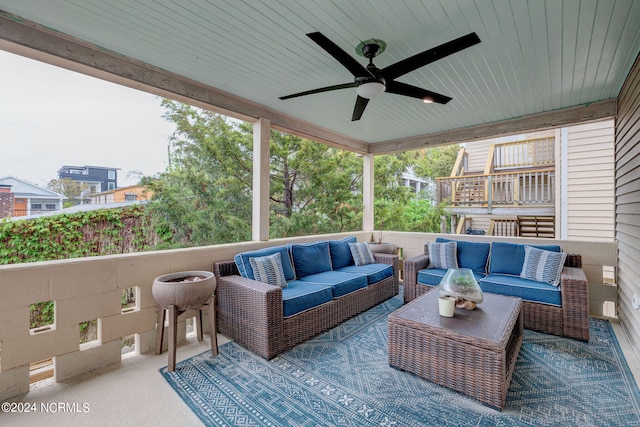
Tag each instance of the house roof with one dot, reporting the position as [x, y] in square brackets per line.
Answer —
[538, 64]
[120, 189]
[22, 188]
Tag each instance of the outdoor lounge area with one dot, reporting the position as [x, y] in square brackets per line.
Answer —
[117, 387]
[536, 66]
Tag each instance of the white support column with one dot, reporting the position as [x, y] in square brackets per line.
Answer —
[561, 201]
[261, 154]
[367, 192]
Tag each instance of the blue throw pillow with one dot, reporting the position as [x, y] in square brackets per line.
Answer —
[311, 258]
[340, 252]
[508, 258]
[473, 255]
[361, 253]
[542, 266]
[268, 269]
[244, 266]
[443, 255]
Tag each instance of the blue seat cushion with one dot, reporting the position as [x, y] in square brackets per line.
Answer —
[374, 272]
[341, 283]
[433, 276]
[528, 290]
[473, 255]
[245, 269]
[340, 252]
[310, 258]
[299, 296]
[508, 258]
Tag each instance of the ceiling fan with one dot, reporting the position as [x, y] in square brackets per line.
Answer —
[370, 81]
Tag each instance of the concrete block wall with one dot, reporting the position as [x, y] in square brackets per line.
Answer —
[90, 288]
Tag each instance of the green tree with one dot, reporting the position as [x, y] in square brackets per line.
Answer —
[75, 191]
[204, 197]
[314, 188]
[436, 161]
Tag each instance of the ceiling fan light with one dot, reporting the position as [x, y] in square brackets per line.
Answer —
[370, 90]
[427, 100]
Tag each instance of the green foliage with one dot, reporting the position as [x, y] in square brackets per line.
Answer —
[41, 314]
[437, 161]
[73, 190]
[205, 196]
[314, 188]
[82, 234]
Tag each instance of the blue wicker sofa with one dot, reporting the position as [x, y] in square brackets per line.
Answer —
[324, 287]
[561, 308]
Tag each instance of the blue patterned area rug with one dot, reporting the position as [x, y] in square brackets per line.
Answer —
[342, 378]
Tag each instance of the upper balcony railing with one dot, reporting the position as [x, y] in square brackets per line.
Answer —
[531, 187]
[536, 153]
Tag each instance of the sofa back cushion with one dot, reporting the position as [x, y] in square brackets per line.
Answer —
[310, 258]
[245, 269]
[340, 252]
[473, 255]
[508, 258]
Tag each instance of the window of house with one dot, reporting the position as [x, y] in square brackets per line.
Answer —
[50, 206]
[36, 205]
[112, 186]
[112, 174]
[130, 197]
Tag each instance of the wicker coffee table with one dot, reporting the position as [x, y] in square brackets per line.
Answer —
[473, 352]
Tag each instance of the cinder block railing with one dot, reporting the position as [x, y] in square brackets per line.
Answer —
[87, 289]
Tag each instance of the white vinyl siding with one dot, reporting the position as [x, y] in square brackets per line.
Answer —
[628, 204]
[591, 181]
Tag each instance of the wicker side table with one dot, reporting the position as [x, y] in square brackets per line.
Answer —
[474, 352]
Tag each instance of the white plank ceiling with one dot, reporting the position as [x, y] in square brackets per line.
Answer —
[535, 56]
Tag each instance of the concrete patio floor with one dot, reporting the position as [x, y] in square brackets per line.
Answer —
[134, 393]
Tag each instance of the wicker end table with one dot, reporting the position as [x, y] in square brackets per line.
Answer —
[474, 352]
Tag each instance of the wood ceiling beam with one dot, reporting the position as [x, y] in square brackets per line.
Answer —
[539, 121]
[34, 41]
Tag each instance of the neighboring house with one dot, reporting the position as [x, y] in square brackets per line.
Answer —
[125, 194]
[423, 186]
[97, 178]
[557, 183]
[20, 198]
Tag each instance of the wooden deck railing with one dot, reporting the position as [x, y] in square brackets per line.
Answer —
[537, 152]
[532, 187]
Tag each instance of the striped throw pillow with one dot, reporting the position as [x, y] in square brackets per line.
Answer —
[268, 269]
[443, 255]
[361, 253]
[542, 266]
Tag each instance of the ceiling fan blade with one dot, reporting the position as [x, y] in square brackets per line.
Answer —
[414, 62]
[347, 61]
[361, 104]
[415, 92]
[319, 90]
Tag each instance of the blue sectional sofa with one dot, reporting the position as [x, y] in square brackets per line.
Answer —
[322, 287]
[560, 309]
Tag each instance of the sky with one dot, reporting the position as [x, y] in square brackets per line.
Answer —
[50, 117]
